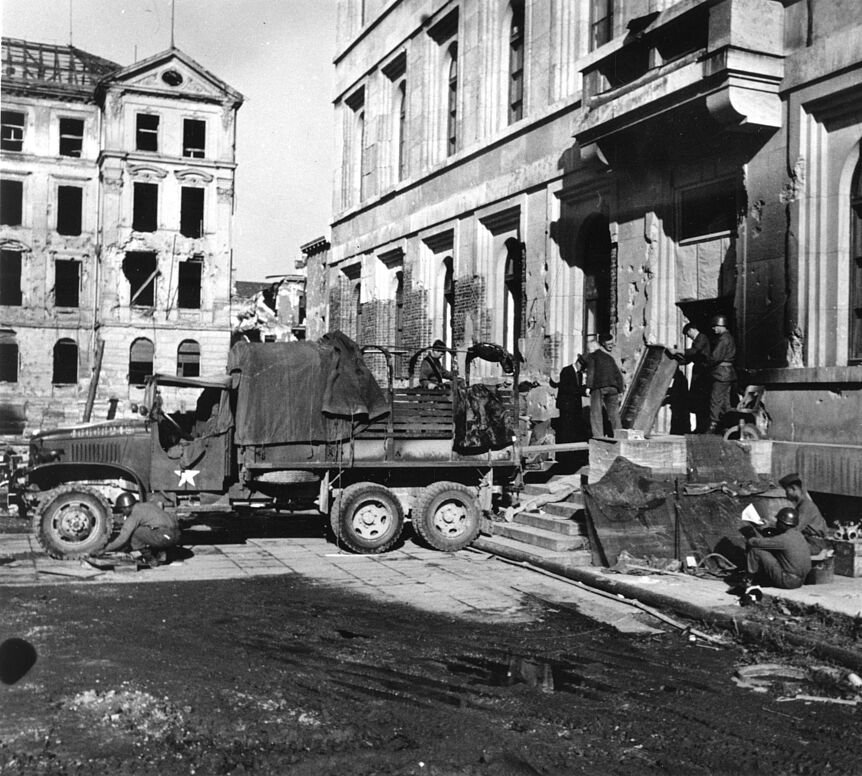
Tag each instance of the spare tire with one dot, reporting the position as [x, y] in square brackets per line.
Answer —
[73, 522]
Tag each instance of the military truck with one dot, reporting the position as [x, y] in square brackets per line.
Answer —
[288, 426]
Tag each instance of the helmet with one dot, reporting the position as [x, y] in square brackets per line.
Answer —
[788, 517]
[719, 320]
[124, 501]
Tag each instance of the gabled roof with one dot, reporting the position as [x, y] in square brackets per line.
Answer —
[173, 71]
[52, 68]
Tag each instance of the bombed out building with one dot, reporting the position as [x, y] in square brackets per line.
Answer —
[533, 172]
[116, 229]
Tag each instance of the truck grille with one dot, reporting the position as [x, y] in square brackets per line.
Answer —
[98, 452]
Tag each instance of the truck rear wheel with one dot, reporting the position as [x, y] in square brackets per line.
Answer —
[73, 522]
[367, 517]
[447, 516]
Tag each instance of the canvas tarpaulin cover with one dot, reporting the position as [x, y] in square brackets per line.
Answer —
[629, 510]
[288, 392]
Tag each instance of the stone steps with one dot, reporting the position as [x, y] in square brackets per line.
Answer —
[540, 537]
[511, 548]
[540, 519]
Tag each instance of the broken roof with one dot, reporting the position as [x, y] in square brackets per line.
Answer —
[60, 69]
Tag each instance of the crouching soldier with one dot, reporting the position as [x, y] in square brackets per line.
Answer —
[780, 560]
[148, 529]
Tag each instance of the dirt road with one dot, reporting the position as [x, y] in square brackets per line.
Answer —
[283, 676]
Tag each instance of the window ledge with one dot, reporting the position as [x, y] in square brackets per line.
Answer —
[818, 375]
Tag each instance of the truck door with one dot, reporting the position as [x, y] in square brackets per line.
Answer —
[190, 451]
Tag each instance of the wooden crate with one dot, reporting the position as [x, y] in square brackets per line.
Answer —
[848, 558]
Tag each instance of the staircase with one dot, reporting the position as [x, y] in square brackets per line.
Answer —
[556, 530]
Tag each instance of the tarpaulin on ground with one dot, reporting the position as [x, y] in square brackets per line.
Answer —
[289, 391]
[629, 510]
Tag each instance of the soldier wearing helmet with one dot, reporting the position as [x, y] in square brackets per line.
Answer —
[782, 560]
[147, 529]
[722, 373]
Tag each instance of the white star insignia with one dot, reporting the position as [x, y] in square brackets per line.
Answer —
[187, 476]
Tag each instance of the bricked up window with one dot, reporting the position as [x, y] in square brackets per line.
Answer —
[516, 63]
[140, 361]
[189, 289]
[145, 207]
[8, 358]
[194, 138]
[11, 131]
[147, 132]
[69, 199]
[71, 137]
[67, 283]
[10, 278]
[11, 202]
[139, 267]
[191, 212]
[189, 359]
[65, 363]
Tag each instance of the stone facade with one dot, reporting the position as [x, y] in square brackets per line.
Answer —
[124, 180]
[671, 159]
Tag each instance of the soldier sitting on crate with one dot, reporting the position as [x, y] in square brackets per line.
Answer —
[148, 530]
[432, 373]
[781, 560]
[811, 523]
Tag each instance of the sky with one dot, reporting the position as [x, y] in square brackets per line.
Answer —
[277, 53]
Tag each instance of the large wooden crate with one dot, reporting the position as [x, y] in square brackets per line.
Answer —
[848, 558]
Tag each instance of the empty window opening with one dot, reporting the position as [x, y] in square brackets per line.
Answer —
[140, 269]
[147, 134]
[402, 131]
[357, 310]
[146, 207]
[11, 202]
[512, 295]
[8, 359]
[189, 359]
[189, 289]
[10, 278]
[71, 137]
[855, 354]
[708, 210]
[194, 138]
[448, 301]
[601, 22]
[191, 212]
[452, 102]
[516, 64]
[140, 361]
[69, 199]
[399, 366]
[65, 363]
[11, 131]
[67, 283]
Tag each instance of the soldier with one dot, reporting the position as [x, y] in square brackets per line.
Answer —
[722, 373]
[432, 373]
[782, 560]
[811, 523]
[148, 529]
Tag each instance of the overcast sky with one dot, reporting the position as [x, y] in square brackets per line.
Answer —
[277, 53]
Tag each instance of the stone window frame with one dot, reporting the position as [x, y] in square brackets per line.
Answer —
[140, 344]
[12, 133]
[143, 133]
[516, 48]
[70, 144]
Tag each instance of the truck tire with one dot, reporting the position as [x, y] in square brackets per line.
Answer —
[447, 516]
[367, 518]
[73, 522]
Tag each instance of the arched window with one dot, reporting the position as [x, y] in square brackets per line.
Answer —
[401, 140]
[8, 357]
[140, 361]
[452, 102]
[516, 63]
[855, 354]
[65, 362]
[189, 359]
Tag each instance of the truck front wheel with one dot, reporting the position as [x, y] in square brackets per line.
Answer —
[73, 522]
[448, 516]
[367, 517]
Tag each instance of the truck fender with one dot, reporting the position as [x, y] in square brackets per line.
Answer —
[49, 475]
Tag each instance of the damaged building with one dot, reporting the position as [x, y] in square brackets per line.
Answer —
[116, 229]
[536, 172]
[269, 311]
